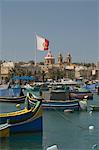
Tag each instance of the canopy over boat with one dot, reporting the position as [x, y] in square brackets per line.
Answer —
[24, 78]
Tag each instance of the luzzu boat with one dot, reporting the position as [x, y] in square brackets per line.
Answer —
[62, 105]
[59, 104]
[26, 120]
[13, 95]
[19, 99]
[80, 93]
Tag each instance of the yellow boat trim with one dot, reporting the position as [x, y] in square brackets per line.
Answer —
[20, 112]
[25, 110]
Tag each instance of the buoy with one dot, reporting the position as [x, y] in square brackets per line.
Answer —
[68, 110]
[91, 127]
[17, 105]
[54, 147]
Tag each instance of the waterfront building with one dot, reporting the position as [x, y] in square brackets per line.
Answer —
[68, 59]
[48, 68]
[49, 58]
[60, 59]
[97, 71]
[70, 71]
[6, 68]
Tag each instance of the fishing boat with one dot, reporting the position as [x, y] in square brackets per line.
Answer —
[27, 120]
[59, 104]
[19, 99]
[94, 107]
[80, 93]
[12, 95]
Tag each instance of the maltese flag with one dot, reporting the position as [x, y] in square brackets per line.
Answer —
[42, 43]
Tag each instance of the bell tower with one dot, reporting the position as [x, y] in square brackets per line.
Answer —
[68, 59]
[60, 59]
[49, 59]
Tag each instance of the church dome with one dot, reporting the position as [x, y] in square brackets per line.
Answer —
[49, 58]
[49, 55]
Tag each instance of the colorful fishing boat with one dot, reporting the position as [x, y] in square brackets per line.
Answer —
[59, 104]
[19, 99]
[13, 95]
[80, 93]
[27, 120]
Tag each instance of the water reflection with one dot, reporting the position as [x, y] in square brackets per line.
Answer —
[26, 141]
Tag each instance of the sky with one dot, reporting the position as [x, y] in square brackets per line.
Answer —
[71, 26]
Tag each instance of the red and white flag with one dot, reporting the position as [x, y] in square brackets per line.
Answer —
[42, 43]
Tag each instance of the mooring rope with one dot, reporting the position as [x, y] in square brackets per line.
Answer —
[67, 119]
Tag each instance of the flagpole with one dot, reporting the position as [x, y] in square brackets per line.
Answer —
[35, 50]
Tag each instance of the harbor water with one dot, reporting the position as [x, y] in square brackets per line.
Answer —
[67, 130]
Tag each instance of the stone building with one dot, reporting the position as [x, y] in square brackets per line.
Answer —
[6, 67]
[70, 71]
[97, 71]
[68, 59]
[60, 59]
[49, 59]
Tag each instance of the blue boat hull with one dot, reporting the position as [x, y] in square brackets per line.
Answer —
[33, 126]
[61, 105]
